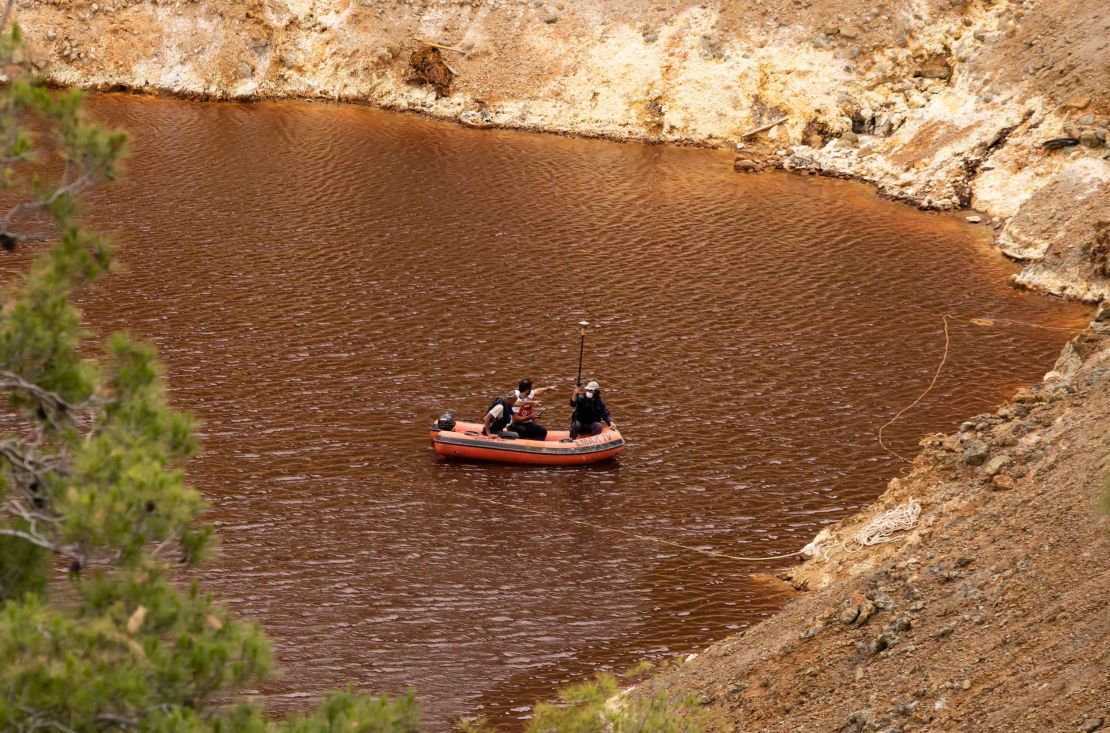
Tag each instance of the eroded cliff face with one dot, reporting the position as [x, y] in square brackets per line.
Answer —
[944, 103]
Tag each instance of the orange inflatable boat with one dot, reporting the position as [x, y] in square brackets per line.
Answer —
[465, 440]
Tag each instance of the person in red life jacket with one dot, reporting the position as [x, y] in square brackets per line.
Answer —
[524, 420]
[499, 415]
[590, 413]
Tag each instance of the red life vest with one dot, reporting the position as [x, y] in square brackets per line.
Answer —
[523, 408]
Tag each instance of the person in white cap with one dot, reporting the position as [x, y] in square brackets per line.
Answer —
[590, 413]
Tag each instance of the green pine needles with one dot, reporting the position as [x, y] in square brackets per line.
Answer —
[597, 706]
[91, 479]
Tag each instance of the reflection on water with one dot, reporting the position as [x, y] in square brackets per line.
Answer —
[323, 281]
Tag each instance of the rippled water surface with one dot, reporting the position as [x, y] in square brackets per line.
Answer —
[323, 281]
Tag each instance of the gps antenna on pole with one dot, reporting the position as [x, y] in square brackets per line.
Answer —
[582, 326]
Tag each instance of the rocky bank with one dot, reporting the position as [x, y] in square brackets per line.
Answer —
[991, 613]
[943, 103]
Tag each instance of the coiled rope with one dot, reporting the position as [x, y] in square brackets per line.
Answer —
[901, 518]
[898, 519]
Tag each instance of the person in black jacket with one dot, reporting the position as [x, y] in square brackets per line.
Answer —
[590, 413]
[499, 415]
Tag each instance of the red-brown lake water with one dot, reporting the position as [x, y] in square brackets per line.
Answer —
[323, 281]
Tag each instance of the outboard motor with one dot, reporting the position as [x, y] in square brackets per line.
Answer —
[446, 421]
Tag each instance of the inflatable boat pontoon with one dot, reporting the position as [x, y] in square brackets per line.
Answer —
[465, 440]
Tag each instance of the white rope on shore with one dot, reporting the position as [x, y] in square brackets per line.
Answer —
[898, 519]
[878, 530]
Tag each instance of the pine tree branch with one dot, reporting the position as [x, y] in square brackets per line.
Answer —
[25, 461]
[29, 473]
[39, 723]
[34, 237]
[156, 552]
[85, 180]
[11, 380]
[33, 539]
[54, 405]
[72, 551]
[15, 507]
[58, 726]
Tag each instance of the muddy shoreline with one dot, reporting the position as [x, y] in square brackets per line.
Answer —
[764, 158]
